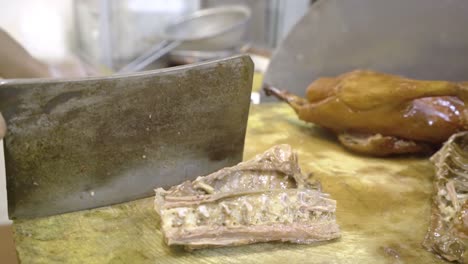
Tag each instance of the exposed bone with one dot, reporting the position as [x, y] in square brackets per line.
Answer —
[260, 200]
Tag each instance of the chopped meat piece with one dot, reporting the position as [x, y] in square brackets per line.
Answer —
[378, 145]
[263, 199]
[448, 230]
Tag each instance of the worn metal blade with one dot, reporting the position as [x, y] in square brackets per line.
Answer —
[421, 39]
[78, 144]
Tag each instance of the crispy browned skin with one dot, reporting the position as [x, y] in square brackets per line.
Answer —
[371, 103]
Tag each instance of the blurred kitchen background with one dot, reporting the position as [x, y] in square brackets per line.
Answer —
[100, 37]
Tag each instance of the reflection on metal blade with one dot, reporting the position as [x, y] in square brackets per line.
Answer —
[418, 39]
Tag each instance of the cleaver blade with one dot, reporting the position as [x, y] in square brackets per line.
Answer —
[83, 143]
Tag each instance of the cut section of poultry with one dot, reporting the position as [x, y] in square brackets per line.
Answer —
[447, 235]
[260, 200]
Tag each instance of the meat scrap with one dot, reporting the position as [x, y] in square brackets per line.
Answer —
[448, 230]
[264, 199]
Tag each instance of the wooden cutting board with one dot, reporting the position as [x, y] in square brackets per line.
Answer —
[383, 211]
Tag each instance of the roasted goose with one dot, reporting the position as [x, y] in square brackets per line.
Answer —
[263, 199]
[448, 230]
[381, 114]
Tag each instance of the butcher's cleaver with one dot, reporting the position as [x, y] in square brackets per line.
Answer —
[421, 39]
[85, 143]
